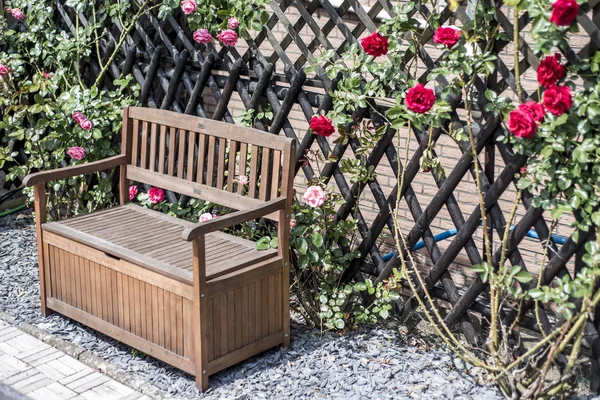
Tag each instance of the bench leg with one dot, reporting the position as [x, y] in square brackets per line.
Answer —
[39, 203]
[201, 334]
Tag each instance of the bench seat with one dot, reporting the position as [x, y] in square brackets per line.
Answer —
[153, 240]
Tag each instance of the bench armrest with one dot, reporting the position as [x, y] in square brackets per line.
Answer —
[235, 218]
[74, 170]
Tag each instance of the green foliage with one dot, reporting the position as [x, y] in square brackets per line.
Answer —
[322, 250]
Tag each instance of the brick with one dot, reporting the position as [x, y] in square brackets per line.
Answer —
[54, 391]
[78, 375]
[87, 382]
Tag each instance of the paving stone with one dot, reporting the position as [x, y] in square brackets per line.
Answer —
[88, 382]
[54, 391]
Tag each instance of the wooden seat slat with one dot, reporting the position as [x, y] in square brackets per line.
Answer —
[171, 254]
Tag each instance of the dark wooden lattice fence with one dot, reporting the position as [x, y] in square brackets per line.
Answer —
[176, 73]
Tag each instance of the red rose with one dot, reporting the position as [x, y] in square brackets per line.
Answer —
[521, 124]
[321, 125]
[419, 99]
[535, 109]
[557, 99]
[446, 36]
[375, 45]
[550, 70]
[564, 12]
[523, 170]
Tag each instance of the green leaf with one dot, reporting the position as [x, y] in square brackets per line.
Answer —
[360, 286]
[301, 245]
[317, 239]
[523, 277]
[263, 243]
[340, 324]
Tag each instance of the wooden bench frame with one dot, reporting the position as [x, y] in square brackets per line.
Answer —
[191, 298]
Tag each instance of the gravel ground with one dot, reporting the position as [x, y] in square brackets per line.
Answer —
[371, 362]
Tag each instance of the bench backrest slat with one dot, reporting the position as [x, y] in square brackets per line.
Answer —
[211, 154]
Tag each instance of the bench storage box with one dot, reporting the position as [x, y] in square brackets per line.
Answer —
[187, 294]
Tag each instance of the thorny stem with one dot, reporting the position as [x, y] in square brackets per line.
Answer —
[487, 244]
[142, 10]
[96, 35]
[516, 44]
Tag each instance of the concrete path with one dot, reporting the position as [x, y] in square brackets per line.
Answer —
[42, 372]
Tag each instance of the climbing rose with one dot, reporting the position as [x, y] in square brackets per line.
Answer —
[78, 116]
[521, 123]
[321, 125]
[550, 70]
[557, 99]
[202, 36]
[86, 124]
[535, 109]
[47, 75]
[76, 153]
[375, 44]
[205, 217]
[447, 36]
[233, 23]
[133, 191]
[16, 13]
[292, 223]
[228, 37]
[564, 12]
[3, 70]
[188, 6]
[419, 99]
[243, 180]
[523, 170]
[314, 196]
[156, 195]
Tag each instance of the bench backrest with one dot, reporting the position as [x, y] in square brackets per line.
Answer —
[205, 158]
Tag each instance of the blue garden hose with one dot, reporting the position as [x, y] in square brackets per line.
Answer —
[452, 232]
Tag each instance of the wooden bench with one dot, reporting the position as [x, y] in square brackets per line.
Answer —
[188, 294]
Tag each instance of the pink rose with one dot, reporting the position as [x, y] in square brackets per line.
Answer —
[86, 124]
[78, 116]
[76, 153]
[292, 223]
[156, 195]
[133, 191]
[16, 13]
[202, 36]
[228, 37]
[188, 6]
[523, 170]
[315, 196]
[3, 70]
[243, 180]
[233, 23]
[47, 75]
[205, 217]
